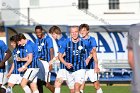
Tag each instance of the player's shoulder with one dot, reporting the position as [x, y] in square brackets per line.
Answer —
[1, 41]
[91, 38]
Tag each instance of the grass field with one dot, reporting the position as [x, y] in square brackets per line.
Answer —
[88, 89]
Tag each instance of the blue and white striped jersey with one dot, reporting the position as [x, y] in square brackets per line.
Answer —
[44, 46]
[76, 54]
[3, 49]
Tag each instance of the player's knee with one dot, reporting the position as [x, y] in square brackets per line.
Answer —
[97, 85]
[58, 82]
[76, 86]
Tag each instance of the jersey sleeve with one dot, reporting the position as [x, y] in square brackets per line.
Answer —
[29, 49]
[93, 43]
[62, 47]
[3, 46]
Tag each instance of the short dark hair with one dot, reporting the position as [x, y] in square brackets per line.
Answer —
[20, 36]
[84, 26]
[39, 27]
[13, 38]
[55, 29]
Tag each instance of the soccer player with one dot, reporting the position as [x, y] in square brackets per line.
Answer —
[3, 58]
[14, 75]
[76, 51]
[92, 64]
[45, 54]
[133, 56]
[61, 75]
[31, 65]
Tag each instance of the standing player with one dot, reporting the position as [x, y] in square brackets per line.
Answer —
[30, 66]
[60, 39]
[76, 51]
[133, 56]
[3, 58]
[14, 75]
[45, 54]
[92, 67]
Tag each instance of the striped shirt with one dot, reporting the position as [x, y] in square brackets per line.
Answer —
[3, 49]
[30, 47]
[76, 53]
[44, 46]
[18, 52]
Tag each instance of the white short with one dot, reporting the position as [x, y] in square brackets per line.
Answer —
[15, 79]
[3, 78]
[91, 75]
[62, 74]
[44, 71]
[75, 77]
[31, 74]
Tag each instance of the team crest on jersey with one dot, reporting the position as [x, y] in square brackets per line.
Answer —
[18, 52]
[26, 50]
[42, 44]
[80, 47]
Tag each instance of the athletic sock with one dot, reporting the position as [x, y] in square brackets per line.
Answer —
[57, 90]
[36, 91]
[81, 91]
[27, 89]
[99, 90]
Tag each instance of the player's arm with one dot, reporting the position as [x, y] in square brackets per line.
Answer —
[130, 50]
[68, 65]
[7, 56]
[94, 54]
[51, 53]
[22, 59]
[30, 57]
[11, 70]
[88, 59]
[24, 67]
[131, 58]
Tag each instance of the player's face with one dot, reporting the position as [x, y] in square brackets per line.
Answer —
[21, 42]
[74, 33]
[13, 44]
[84, 32]
[39, 33]
[54, 35]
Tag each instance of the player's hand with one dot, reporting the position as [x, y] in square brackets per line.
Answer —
[96, 70]
[18, 58]
[69, 65]
[2, 64]
[22, 69]
[50, 67]
[87, 61]
[8, 75]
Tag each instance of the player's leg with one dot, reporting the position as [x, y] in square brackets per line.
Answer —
[97, 87]
[70, 81]
[47, 76]
[13, 79]
[61, 76]
[40, 77]
[33, 79]
[82, 88]
[30, 74]
[79, 79]
[2, 88]
[94, 78]
[83, 84]
[25, 86]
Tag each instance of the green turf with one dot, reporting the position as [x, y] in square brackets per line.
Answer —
[88, 89]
